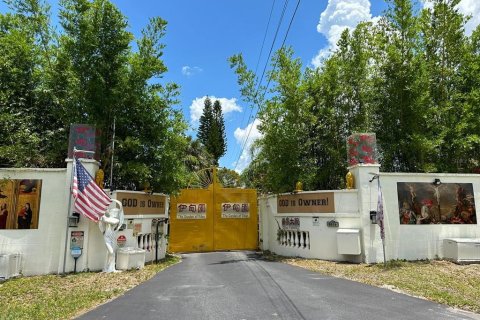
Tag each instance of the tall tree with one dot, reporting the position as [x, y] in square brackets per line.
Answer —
[205, 122]
[284, 121]
[412, 79]
[88, 73]
[445, 47]
[405, 143]
[218, 135]
[28, 118]
[211, 130]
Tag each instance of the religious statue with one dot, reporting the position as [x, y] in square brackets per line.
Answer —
[298, 187]
[99, 178]
[109, 224]
[350, 180]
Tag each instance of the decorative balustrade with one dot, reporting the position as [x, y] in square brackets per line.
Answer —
[294, 238]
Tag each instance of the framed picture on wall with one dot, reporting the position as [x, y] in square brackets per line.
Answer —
[20, 203]
[441, 203]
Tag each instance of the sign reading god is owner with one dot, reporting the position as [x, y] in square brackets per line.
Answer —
[141, 203]
[191, 211]
[321, 202]
[235, 210]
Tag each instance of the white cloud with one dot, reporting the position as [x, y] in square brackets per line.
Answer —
[338, 16]
[190, 71]
[240, 135]
[470, 7]
[196, 108]
[427, 4]
[467, 7]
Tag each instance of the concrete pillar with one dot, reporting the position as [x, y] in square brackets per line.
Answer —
[367, 201]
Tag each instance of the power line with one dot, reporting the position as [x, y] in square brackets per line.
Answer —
[270, 78]
[265, 35]
[261, 79]
[261, 50]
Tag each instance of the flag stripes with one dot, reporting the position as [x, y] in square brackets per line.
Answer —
[89, 199]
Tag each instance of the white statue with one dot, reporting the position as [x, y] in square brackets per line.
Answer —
[109, 224]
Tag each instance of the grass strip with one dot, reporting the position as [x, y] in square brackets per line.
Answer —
[64, 297]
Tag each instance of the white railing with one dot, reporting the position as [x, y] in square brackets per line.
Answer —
[294, 238]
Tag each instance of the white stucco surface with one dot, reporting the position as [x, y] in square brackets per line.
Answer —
[352, 211]
[42, 250]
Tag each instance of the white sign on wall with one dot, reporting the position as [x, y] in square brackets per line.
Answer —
[192, 211]
[235, 210]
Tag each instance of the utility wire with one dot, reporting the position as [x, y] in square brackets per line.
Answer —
[261, 51]
[270, 78]
[261, 79]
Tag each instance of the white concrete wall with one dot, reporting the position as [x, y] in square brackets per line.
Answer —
[352, 210]
[323, 239]
[41, 248]
[413, 242]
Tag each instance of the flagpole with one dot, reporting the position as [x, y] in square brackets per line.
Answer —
[69, 213]
[111, 162]
[384, 257]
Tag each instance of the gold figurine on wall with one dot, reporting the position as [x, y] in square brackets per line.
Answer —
[350, 180]
[99, 178]
[298, 187]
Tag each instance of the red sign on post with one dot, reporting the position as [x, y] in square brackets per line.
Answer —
[121, 240]
[84, 137]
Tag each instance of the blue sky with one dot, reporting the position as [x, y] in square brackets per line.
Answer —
[201, 35]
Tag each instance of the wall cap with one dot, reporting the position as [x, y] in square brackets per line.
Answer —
[34, 169]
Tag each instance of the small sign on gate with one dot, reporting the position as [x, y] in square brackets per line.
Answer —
[236, 210]
[191, 211]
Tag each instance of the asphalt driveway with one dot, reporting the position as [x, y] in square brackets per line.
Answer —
[239, 285]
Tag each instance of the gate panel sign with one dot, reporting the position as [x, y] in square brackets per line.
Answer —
[191, 211]
[318, 202]
[235, 210]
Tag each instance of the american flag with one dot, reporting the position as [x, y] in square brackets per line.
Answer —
[89, 199]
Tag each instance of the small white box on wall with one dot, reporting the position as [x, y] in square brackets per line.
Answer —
[348, 241]
[462, 250]
[9, 265]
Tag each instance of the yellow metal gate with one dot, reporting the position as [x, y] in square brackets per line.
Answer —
[213, 219]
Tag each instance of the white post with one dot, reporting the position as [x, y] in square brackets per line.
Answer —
[367, 201]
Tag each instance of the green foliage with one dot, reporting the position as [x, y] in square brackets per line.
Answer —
[197, 158]
[88, 73]
[412, 78]
[229, 178]
[211, 131]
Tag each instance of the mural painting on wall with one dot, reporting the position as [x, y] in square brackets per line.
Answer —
[427, 203]
[19, 203]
